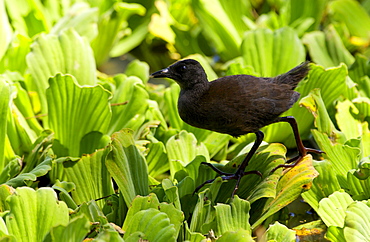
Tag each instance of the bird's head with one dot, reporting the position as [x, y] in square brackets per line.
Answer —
[186, 73]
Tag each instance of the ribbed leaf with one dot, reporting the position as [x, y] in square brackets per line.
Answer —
[127, 166]
[239, 235]
[332, 210]
[132, 103]
[289, 187]
[363, 106]
[327, 49]
[182, 149]
[323, 185]
[272, 53]
[335, 234]
[31, 20]
[266, 158]
[23, 178]
[357, 223]
[76, 230]
[76, 111]
[15, 56]
[307, 9]
[156, 221]
[281, 232]
[80, 17]
[233, 217]
[110, 25]
[151, 225]
[353, 15]
[329, 139]
[91, 178]
[4, 109]
[67, 53]
[33, 213]
[23, 103]
[157, 159]
[218, 27]
[351, 127]
[5, 192]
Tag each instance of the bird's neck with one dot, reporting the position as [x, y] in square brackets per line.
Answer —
[195, 90]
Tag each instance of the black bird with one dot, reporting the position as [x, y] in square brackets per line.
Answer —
[236, 105]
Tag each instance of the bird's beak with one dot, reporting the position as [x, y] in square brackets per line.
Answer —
[161, 73]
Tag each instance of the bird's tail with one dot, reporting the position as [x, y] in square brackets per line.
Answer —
[294, 76]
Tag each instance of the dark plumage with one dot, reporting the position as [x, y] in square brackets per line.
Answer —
[235, 105]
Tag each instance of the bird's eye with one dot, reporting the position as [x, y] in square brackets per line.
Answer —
[183, 68]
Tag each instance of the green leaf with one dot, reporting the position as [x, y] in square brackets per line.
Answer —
[82, 18]
[363, 106]
[31, 20]
[335, 234]
[67, 53]
[74, 111]
[281, 232]
[357, 223]
[353, 15]
[91, 177]
[15, 57]
[157, 159]
[315, 104]
[44, 211]
[290, 186]
[359, 72]
[323, 185]
[108, 234]
[233, 217]
[151, 225]
[332, 210]
[266, 158]
[12, 168]
[326, 48]
[271, 53]
[139, 69]
[4, 109]
[110, 26]
[40, 170]
[204, 213]
[182, 149]
[219, 28]
[351, 127]
[5, 30]
[172, 193]
[307, 9]
[5, 192]
[20, 135]
[239, 235]
[129, 103]
[76, 230]
[333, 142]
[24, 105]
[155, 221]
[127, 166]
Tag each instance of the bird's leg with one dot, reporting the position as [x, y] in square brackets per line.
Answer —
[302, 151]
[240, 171]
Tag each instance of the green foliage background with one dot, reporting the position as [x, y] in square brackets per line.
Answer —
[88, 155]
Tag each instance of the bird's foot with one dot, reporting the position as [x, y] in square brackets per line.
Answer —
[227, 176]
[295, 160]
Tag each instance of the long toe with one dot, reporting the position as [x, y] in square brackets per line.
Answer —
[289, 164]
[234, 176]
[314, 151]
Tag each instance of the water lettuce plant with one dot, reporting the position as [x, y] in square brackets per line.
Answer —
[86, 155]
